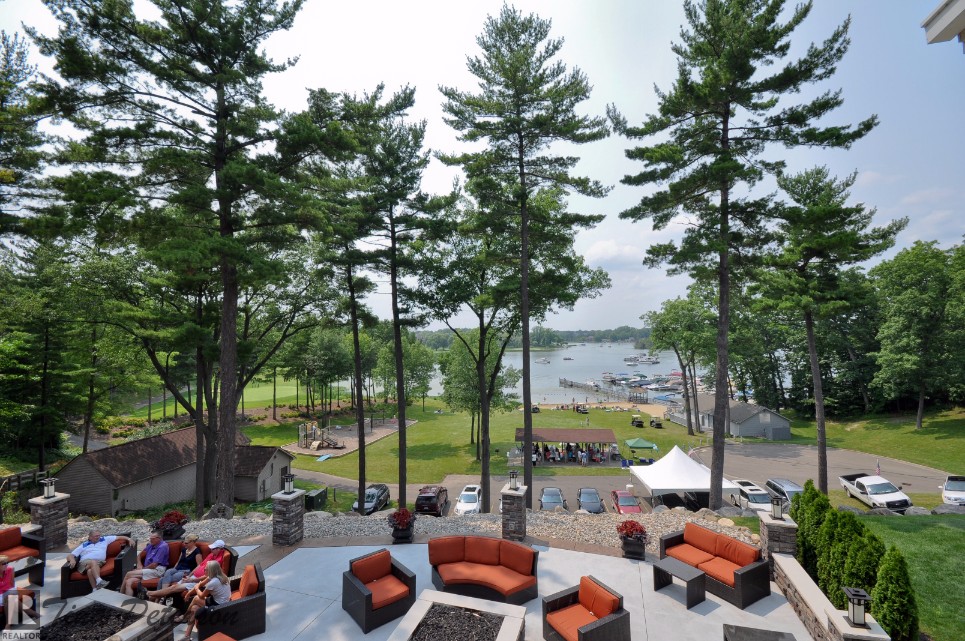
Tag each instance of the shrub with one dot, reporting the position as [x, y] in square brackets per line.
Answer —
[811, 510]
[861, 567]
[893, 602]
[835, 537]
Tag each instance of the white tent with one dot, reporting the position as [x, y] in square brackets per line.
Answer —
[676, 472]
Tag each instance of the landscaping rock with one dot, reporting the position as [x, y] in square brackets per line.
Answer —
[852, 509]
[681, 510]
[709, 515]
[730, 510]
[661, 508]
[917, 511]
[219, 511]
[749, 513]
[257, 516]
[725, 523]
[83, 518]
[945, 508]
[882, 511]
[756, 538]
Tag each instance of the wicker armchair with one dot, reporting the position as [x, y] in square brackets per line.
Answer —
[377, 589]
[17, 545]
[244, 616]
[580, 607]
[121, 559]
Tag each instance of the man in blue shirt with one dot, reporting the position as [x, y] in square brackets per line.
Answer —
[90, 555]
[156, 559]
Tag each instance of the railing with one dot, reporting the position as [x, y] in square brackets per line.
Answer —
[17, 481]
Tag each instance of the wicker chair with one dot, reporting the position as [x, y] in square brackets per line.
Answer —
[121, 559]
[393, 585]
[17, 545]
[579, 607]
[244, 616]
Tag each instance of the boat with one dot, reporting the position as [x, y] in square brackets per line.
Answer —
[567, 358]
[608, 376]
[648, 360]
[544, 360]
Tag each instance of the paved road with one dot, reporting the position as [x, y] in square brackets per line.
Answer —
[757, 462]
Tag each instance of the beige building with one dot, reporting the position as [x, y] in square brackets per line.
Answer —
[947, 21]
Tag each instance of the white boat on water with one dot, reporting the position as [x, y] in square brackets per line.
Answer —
[544, 361]
[648, 360]
[608, 376]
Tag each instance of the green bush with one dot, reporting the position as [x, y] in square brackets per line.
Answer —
[838, 534]
[893, 602]
[809, 511]
[861, 567]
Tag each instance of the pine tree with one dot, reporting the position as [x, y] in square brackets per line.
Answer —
[893, 602]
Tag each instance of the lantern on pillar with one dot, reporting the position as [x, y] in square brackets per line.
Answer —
[513, 482]
[289, 480]
[49, 485]
[857, 605]
[777, 508]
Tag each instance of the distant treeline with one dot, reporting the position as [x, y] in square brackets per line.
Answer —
[547, 337]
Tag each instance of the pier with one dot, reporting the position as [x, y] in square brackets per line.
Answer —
[617, 392]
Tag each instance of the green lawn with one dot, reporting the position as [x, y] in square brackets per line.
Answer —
[920, 499]
[9, 466]
[257, 398]
[933, 546]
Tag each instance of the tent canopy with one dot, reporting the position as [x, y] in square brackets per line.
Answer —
[640, 444]
[568, 435]
[676, 472]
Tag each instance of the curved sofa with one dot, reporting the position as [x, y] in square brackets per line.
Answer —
[484, 567]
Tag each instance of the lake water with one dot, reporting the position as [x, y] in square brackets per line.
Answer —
[579, 363]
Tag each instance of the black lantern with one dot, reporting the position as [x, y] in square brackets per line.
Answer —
[50, 491]
[289, 480]
[857, 602]
[513, 482]
[777, 508]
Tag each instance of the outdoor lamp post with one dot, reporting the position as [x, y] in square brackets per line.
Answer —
[857, 601]
[513, 483]
[49, 485]
[289, 480]
[777, 508]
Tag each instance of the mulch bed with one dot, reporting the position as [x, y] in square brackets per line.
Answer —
[450, 622]
[95, 622]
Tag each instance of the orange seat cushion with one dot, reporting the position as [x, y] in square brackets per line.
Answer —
[568, 621]
[386, 591]
[495, 577]
[114, 548]
[482, 550]
[596, 599]
[516, 557]
[720, 569]
[447, 549]
[372, 567]
[18, 552]
[689, 554]
[701, 538]
[106, 570]
[10, 537]
[249, 581]
[736, 551]
[150, 584]
[220, 636]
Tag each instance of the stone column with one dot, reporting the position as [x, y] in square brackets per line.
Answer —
[777, 537]
[514, 513]
[288, 518]
[51, 515]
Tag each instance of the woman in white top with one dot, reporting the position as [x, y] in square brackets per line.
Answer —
[213, 589]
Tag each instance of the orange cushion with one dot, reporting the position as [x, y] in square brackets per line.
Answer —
[447, 549]
[10, 538]
[387, 590]
[249, 581]
[18, 552]
[516, 557]
[701, 538]
[720, 569]
[115, 547]
[494, 577]
[689, 554]
[480, 549]
[736, 551]
[568, 621]
[372, 567]
[220, 636]
[597, 599]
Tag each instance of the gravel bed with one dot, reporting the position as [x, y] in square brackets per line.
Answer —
[595, 529]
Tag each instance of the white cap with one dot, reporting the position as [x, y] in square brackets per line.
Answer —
[217, 544]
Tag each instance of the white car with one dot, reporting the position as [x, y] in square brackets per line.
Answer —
[953, 490]
[469, 500]
[751, 496]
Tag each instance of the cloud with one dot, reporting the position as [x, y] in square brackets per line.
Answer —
[936, 195]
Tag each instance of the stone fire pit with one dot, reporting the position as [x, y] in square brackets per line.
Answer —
[148, 621]
[513, 625]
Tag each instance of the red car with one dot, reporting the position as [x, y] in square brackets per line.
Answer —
[624, 502]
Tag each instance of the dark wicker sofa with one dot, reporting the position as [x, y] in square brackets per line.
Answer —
[242, 617]
[121, 559]
[734, 570]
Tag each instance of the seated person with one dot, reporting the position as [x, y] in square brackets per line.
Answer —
[213, 589]
[189, 581]
[189, 560]
[12, 597]
[90, 555]
[156, 555]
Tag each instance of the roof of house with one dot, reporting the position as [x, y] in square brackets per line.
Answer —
[250, 460]
[739, 410]
[145, 458]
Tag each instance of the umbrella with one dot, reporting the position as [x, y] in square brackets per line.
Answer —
[641, 444]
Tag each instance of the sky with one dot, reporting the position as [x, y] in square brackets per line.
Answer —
[910, 165]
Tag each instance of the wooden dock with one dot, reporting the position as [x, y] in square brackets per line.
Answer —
[616, 391]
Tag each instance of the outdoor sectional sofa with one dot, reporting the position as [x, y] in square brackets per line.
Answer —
[734, 570]
[228, 562]
[484, 567]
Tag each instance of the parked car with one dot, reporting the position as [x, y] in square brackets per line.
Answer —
[751, 496]
[376, 498]
[551, 498]
[624, 503]
[432, 499]
[953, 490]
[875, 491]
[784, 489]
[587, 498]
[470, 500]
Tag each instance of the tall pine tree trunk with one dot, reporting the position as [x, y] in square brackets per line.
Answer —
[399, 364]
[358, 390]
[921, 406]
[721, 403]
[524, 319]
[818, 403]
[483, 442]
[89, 413]
[683, 372]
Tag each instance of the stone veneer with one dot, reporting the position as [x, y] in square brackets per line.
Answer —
[51, 515]
[777, 537]
[288, 518]
[514, 513]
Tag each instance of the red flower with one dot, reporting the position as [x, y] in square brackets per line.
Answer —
[401, 518]
[632, 530]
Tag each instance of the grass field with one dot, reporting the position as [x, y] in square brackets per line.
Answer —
[257, 397]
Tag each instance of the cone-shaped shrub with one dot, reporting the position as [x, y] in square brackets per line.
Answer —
[838, 533]
[812, 509]
[861, 568]
[893, 602]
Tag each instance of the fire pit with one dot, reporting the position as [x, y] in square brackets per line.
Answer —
[104, 614]
[92, 623]
[440, 615]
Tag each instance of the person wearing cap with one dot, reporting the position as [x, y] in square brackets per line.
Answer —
[189, 560]
[156, 558]
[189, 581]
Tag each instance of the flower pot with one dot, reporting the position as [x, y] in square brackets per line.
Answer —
[402, 535]
[172, 534]
[634, 548]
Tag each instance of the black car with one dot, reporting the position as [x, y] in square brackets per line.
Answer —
[432, 499]
[376, 498]
[551, 498]
[587, 498]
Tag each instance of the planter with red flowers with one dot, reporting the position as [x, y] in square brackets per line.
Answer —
[171, 525]
[633, 539]
[402, 521]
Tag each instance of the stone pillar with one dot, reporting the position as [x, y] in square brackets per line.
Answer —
[514, 513]
[777, 537]
[51, 515]
[288, 518]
